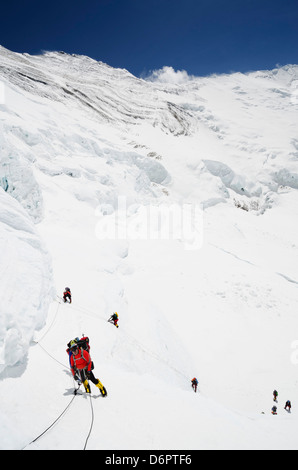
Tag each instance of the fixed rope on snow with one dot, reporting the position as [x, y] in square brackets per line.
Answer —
[71, 401]
[53, 423]
[92, 421]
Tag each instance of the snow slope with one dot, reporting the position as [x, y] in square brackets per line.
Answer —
[75, 136]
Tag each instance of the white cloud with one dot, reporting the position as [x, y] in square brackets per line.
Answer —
[169, 75]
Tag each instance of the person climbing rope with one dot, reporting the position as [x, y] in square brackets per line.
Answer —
[114, 319]
[67, 295]
[81, 367]
[194, 384]
[82, 343]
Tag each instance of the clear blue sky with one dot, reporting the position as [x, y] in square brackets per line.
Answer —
[199, 36]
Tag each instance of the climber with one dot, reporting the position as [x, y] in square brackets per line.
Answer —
[67, 295]
[81, 367]
[274, 410]
[114, 319]
[82, 343]
[288, 406]
[275, 395]
[194, 384]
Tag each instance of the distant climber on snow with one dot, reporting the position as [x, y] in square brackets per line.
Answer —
[275, 396]
[81, 367]
[194, 384]
[288, 406]
[114, 319]
[67, 295]
[274, 410]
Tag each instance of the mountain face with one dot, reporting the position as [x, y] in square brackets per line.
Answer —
[98, 170]
[241, 128]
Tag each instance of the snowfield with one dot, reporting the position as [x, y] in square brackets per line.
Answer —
[78, 139]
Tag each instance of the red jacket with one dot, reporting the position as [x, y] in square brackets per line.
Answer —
[80, 361]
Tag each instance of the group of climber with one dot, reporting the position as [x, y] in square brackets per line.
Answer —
[80, 359]
[67, 299]
[78, 350]
[287, 407]
[81, 364]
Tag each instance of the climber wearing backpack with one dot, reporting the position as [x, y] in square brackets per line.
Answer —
[114, 319]
[67, 295]
[82, 343]
[81, 367]
[194, 384]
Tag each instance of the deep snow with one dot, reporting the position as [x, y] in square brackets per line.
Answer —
[75, 136]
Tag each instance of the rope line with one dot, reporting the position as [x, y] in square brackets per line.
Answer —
[154, 355]
[137, 343]
[53, 423]
[92, 421]
[57, 310]
[52, 357]
[61, 415]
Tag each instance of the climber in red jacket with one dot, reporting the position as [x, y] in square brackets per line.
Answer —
[81, 364]
[67, 295]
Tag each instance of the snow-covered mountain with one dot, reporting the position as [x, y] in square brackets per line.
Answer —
[87, 153]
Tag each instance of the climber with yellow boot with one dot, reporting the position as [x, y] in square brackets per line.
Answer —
[81, 368]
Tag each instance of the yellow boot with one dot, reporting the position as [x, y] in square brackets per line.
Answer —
[87, 386]
[101, 388]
